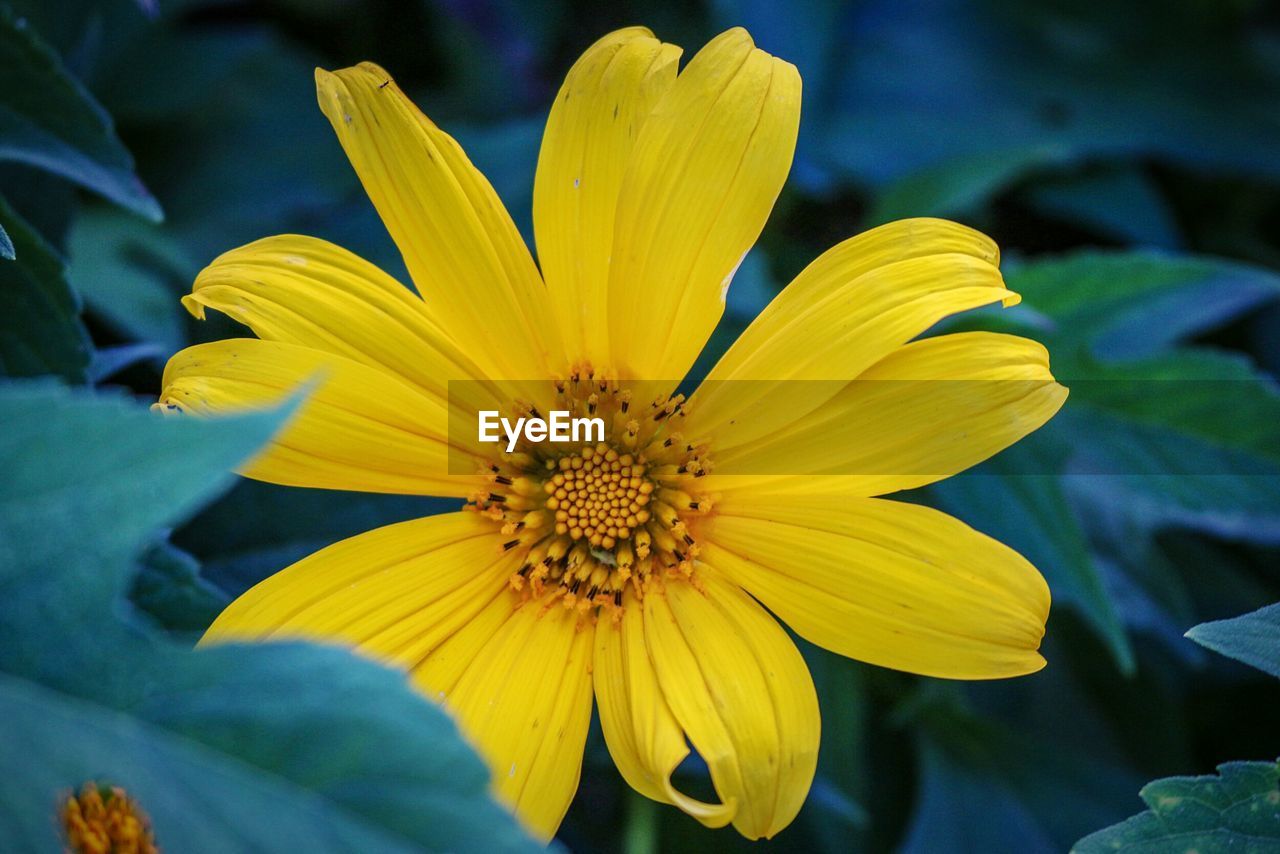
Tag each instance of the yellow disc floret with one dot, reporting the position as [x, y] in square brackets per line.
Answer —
[596, 520]
[105, 820]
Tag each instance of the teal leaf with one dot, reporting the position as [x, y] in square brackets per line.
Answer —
[42, 332]
[1120, 202]
[1252, 638]
[50, 121]
[6, 245]
[1128, 305]
[961, 185]
[131, 275]
[303, 742]
[1239, 810]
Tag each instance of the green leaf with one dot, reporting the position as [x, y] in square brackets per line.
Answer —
[1252, 638]
[320, 736]
[131, 275]
[989, 786]
[42, 333]
[959, 186]
[50, 121]
[1127, 305]
[170, 590]
[1238, 811]
[1121, 202]
[197, 799]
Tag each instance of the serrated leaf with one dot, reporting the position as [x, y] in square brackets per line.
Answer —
[42, 333]
[1252, 638]
[50, 121]
[1237, 811]
[326, 739]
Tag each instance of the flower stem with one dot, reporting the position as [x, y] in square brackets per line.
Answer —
[640, 835]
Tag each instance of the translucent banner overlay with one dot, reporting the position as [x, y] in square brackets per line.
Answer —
[900, 431]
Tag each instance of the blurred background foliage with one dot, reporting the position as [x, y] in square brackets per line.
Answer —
[1125, 155]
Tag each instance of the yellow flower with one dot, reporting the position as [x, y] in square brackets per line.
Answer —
[626, 570]
[105, 820]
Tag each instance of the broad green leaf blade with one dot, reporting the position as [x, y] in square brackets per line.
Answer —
[131, 275]
[197, 799]
[87, 481]
[1128, 305]
[1238, 811]
[1252, 638]
[98, 476]
[962, 185]
[42, 333]
[48, 120]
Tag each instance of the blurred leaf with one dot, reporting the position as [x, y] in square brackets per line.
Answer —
[1251, 638]
[6, 245]
[1119, 202]
[961, 185]
[130, 275]
[42, 332]
[273, 742]
[987, 787]
[169, 590]
[1237, 811]
[926, 82]
[1126, 305]
[48, 120]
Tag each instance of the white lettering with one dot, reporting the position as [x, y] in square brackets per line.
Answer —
[559, 428]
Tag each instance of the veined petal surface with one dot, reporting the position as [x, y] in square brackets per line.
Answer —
[927, 411]
[885, 582]
[740, 690]
[462, 250]
[706, 169]
[359, 428]
[846, 311]
[594, 123]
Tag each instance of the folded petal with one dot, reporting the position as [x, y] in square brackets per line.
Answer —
[929, 410]
[849, 309]
[519, 685]
[884, 582]
[644, 738]
[461, 248]
[594, 122]
[306, 291]
[360, 428]
[740, 690]
[706, 169]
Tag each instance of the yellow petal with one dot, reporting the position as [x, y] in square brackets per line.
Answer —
[929, 410]
[360, 428]
[846, 311]
[707, 167]
[394, 593]
[884, 582]
[301, 290]
[740, 690]
[593, 126]
[524, 700]
[459, 244]
[643, 736]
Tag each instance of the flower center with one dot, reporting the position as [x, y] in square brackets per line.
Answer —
[598, 523]
[104, 819]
